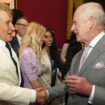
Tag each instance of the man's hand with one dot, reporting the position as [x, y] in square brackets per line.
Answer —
[41, 95]
[79, 85]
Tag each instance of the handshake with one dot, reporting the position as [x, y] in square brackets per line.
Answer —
[41, 95]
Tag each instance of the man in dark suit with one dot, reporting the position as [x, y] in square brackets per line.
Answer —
[85, 80]
[21, 25]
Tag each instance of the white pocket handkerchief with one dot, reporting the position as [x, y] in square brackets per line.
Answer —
[99, 65]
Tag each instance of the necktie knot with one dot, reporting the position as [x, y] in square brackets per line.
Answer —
[84, 55]
[7, 45]
[85, 52]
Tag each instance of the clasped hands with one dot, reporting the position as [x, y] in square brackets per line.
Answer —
[41, 95]
[77, 84]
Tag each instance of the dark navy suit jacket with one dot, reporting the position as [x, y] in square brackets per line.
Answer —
[15, 44]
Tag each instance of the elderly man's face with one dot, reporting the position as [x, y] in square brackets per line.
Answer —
[80, 27]
[6, 27]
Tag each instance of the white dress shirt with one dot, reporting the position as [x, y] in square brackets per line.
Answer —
[19, 39]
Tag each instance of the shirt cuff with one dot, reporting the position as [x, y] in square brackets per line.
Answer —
[47, 92]
[33, 96]
[91, 95]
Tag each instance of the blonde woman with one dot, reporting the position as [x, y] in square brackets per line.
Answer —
[30, 55]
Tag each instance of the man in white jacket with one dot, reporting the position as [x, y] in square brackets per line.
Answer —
[10, 91]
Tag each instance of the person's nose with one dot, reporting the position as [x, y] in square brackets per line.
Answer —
[13, 32]
[72, 28]
[11, 26]
[50, 39]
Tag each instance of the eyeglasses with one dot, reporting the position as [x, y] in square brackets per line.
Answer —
[22, 25]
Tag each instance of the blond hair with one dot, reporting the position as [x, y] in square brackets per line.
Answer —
[6, 8]
[32, 37]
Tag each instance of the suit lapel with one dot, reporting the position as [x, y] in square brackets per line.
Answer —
[97, 50]
[15, 42]
[16, 59]
[74, 69]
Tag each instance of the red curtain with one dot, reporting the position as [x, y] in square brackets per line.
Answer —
[51, 13]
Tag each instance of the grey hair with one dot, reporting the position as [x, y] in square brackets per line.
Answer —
[94, 10]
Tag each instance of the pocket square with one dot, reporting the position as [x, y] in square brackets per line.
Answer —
[99, 65]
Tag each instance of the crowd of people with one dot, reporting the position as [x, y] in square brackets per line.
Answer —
[34, 72]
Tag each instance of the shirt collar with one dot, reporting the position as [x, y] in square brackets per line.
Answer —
[2, 43]
[19, 38]
[96, 39]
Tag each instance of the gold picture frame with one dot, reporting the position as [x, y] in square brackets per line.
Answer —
[11, 3]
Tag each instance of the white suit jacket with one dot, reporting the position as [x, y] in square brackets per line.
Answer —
[10, 92]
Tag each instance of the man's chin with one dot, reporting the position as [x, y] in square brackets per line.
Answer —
[10, 39]
[78, 40]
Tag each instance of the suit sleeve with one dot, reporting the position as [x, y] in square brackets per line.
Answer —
[57, 91]
[15, 94]
[99, 96]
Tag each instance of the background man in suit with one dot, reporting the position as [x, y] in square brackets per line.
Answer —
[86, 82]
[10, 79]
[20, 25]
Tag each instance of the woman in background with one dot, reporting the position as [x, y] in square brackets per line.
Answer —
[51, 61]
[72, 47]
[30, 54]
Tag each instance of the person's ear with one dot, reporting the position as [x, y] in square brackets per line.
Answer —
[91, 22]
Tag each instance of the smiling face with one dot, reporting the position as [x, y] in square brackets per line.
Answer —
[6, 26]
[88, 22]
[48, 40]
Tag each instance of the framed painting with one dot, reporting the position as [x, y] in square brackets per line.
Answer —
[11, 3]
